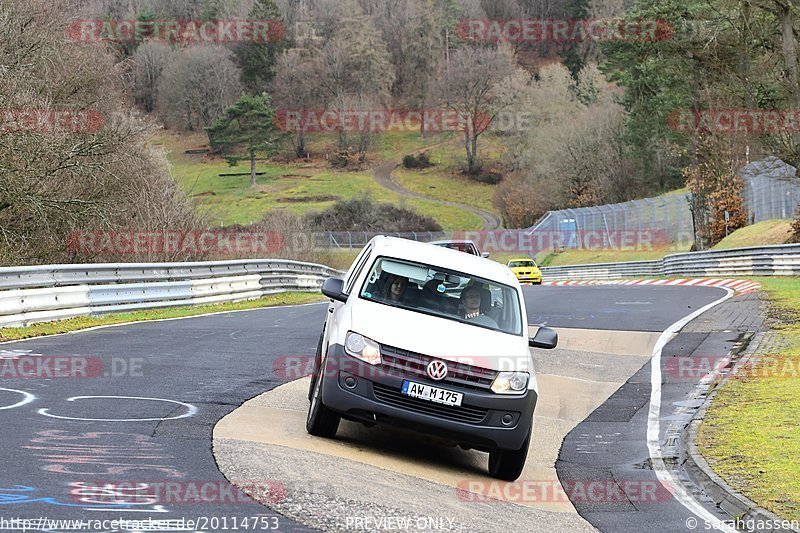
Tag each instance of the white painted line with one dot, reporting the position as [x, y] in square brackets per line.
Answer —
[27, 398]
[191, 410]
[653, 424]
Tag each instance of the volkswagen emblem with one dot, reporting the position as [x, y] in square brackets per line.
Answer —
[437, 370]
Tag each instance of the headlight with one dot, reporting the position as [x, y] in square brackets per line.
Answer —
[362, 348]
[511, 383]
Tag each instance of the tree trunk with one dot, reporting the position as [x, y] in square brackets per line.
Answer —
[470, 161]
[474, 169]
[301, 144]
[789, 49]
[253, 168]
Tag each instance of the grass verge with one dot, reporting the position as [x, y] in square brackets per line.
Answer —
[751, 433]
[75, 324]
[761, 234]
[585, 257]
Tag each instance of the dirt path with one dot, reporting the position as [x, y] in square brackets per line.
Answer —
[384, 176]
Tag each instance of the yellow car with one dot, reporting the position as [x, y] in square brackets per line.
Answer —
[526, 270]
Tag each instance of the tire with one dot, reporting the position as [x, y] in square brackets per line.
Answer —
[321, 421]
[508, 464]
[317, 363]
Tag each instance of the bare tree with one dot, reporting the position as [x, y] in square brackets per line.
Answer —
[355, 62]
[149, 61]
[197, 86]
[470, 86]
[294, 88]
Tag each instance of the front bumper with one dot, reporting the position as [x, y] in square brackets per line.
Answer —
[366, 393]
[529, 278]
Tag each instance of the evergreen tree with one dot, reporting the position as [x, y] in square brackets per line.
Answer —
[257, 59]
[247, 125]
[575, 53]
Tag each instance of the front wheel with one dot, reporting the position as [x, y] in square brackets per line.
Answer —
[508, 464]
[317, 366]
[321, 421]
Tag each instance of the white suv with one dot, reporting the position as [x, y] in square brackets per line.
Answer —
[430, 339]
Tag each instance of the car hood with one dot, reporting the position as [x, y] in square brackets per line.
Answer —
[440, 337]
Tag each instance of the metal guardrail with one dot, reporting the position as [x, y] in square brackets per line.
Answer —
[56, 292]
[777, 260]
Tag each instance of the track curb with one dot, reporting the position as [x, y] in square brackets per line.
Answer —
[739, 286]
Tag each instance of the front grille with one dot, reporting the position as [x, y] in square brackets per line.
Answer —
[410, 364]
[464, 413]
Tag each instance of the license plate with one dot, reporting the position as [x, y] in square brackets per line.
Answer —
[432, 394]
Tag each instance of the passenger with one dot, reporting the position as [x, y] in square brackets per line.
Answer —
[473, 305]
[396, 288]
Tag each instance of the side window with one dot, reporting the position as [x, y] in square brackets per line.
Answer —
[348, 287]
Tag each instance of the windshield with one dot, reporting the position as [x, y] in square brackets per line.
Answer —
[444, 293]
[521, 264]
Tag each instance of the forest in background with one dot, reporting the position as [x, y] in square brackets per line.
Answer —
[599, 116]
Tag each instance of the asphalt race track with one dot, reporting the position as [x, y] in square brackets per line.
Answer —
[131, 439]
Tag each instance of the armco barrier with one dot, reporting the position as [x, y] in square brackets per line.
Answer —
[55, 292]
[777, 260]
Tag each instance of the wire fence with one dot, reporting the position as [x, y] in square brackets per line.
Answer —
[771, 190]
[669, 216]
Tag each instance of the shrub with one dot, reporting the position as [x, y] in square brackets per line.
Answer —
[420, 161]
[365, 214]
[491, 178]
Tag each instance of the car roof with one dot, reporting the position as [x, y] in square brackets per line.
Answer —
[439, 256]
[521, 259]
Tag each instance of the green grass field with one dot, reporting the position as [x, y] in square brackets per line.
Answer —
[300, 188]
[84, 322]
[435, 183]
[751, 433]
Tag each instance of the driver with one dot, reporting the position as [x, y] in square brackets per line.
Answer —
[473, 301]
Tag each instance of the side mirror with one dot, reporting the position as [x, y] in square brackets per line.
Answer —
[545, 338]
[333, 287]
[485, 255]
